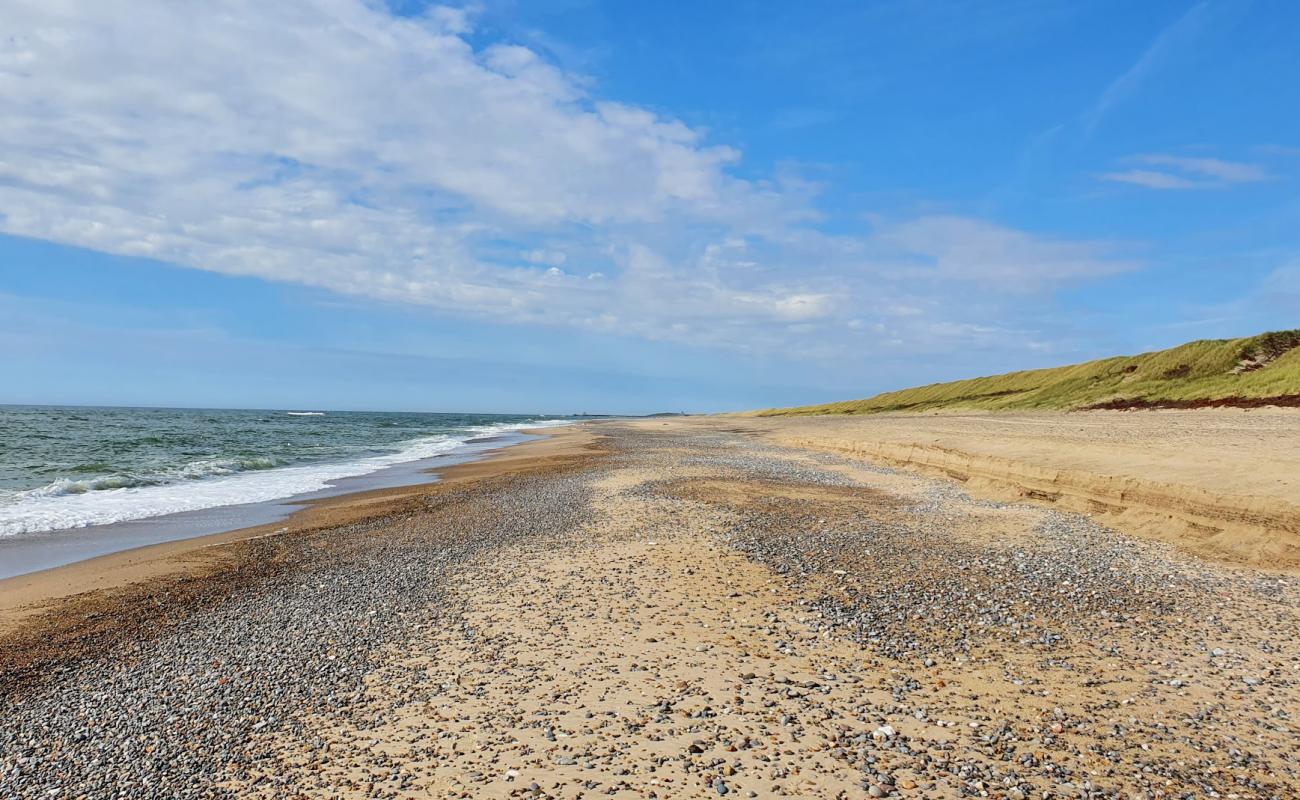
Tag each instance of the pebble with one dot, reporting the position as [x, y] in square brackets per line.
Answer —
[1051, 653]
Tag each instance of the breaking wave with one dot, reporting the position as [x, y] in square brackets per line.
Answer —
[78, 502]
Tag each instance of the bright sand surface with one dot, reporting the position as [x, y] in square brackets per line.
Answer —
[696, 608]
[1223, 483]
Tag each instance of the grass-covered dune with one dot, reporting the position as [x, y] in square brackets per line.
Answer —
[1252, 371]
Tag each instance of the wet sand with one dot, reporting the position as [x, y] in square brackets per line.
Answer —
[59, 604]
[689, 608]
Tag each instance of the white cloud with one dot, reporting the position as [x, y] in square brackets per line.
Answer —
[554, 258]
[802, 306]
[1227, 171]
[949, 248]
[1184, 172]
[1150, 179]
[327, 143]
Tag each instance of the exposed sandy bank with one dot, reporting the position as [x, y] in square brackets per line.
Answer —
[1224, 484]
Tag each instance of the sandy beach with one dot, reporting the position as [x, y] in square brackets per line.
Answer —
[1014, 606]
[412, 400]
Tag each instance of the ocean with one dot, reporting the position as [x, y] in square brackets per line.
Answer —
[71, 467]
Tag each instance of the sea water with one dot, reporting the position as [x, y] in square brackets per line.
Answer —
[71, 467]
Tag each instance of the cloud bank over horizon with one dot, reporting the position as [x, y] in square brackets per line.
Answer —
[332, 144]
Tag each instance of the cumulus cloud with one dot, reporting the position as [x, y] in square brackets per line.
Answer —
[331, 144]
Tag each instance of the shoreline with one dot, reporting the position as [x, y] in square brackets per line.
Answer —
[26, 553]
[687, 608]
[1007, 473]
[89, 588]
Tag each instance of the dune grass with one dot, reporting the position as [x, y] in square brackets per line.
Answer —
[1230, 372]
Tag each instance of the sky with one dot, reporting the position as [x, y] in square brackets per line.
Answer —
[570, 206]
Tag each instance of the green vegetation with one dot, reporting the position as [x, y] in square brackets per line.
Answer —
[1253, 371]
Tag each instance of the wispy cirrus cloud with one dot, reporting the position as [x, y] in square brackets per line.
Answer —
[1176, 38]
[1215, 168]
[1150, 179]
[1184, 172]
[331, 144]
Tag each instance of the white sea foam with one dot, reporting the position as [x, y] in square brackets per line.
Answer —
[65, 504]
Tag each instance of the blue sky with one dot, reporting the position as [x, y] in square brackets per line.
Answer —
[581, 206]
